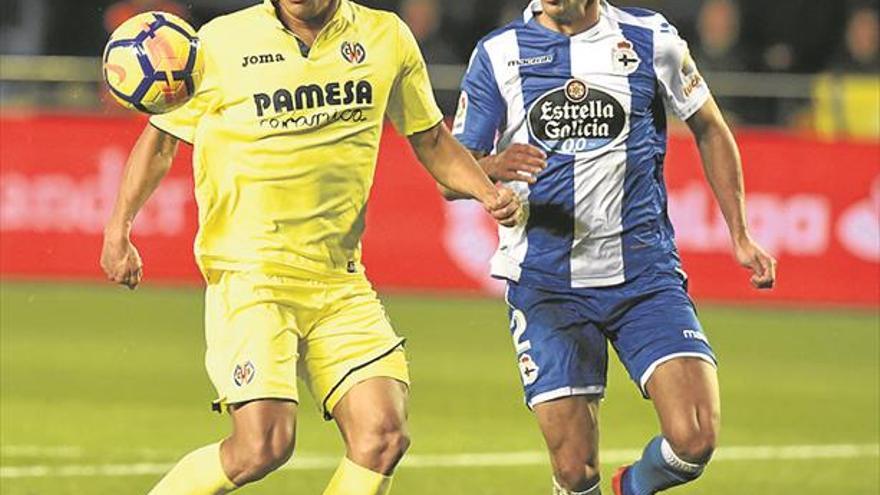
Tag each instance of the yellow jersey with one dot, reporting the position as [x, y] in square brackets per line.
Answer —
[286, 138]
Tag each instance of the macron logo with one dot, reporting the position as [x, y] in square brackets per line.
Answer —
[694, 335]
[543, 59]
[266, 58]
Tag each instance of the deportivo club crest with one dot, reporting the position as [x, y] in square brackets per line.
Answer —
[528, 369]
[243, 374]
[625, 59]
[355, 53]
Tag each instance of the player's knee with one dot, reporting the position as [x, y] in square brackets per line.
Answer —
[575, 470]
[381, 448]
[694, 445]
[575, 475]
[260, 455]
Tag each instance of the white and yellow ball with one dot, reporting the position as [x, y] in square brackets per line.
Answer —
[153, 63]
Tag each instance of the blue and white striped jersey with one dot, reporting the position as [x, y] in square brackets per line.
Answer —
[596, 103]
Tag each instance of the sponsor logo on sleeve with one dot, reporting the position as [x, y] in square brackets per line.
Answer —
[576, 118]
[461, 114]
[691, 77]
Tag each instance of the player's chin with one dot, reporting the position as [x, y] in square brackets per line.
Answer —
[303, 8]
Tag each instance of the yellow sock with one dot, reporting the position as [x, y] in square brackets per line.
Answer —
[351, 479]
[198, 473]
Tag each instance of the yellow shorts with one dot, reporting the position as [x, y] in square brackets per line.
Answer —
[262, 331]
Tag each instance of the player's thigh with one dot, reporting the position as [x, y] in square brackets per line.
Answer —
[656, 327]
[251, 339]
[560, 353]
[571, 430]
[353, 343]
[266, 421]
[263, 438]
[686, 396]
[376, 406]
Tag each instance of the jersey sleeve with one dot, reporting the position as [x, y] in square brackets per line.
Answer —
[684, 88]
[412, 107]
[481, 108]
[182, 122]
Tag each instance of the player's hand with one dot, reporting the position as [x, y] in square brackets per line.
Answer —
[762, 265]
[522, 162]
[121, 261]
[504, 206]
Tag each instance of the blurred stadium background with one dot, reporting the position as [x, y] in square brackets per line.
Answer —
[100, 389]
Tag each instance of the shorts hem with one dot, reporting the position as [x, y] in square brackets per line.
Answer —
[336, 388]
[562, 392]
[223, 404]
[649, 372]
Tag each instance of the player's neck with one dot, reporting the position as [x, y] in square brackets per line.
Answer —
[572, 23]
[307, 29]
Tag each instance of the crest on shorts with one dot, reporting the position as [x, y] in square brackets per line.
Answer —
[355, 53]
[528, 369]
[625, 59]
[243, 374]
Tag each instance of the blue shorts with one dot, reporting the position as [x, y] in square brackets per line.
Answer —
[561, 338]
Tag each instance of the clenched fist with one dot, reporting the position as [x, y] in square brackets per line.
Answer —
[504, 206]
[763, 266]
[121, 261]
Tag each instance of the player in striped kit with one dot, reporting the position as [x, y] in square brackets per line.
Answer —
[568, 105]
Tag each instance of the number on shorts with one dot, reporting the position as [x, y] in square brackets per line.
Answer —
[518, 326]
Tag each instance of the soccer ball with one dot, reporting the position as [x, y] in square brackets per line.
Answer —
[153, 63]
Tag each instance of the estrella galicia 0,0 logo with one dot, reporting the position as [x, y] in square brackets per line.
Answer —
[576, 118]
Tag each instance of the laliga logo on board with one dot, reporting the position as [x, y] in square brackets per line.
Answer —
[243, 374]
[354, 53]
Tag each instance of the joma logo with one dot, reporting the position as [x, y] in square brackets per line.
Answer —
[266, 58]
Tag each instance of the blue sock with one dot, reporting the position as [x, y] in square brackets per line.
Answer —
[659, 469]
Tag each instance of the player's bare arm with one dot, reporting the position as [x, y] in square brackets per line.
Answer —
[148, 163]
[456, 170]
[723, 168]
[519, 162]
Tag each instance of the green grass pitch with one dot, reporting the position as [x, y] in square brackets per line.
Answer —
[99, 384]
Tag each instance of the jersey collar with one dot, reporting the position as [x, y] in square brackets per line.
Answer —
[535, 8]
[344, 14]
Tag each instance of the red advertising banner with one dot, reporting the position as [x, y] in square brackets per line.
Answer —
[815, 205]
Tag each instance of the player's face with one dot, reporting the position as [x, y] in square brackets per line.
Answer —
[305, 10]
[566, 10]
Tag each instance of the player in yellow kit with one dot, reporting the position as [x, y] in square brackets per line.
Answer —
[286, 128]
